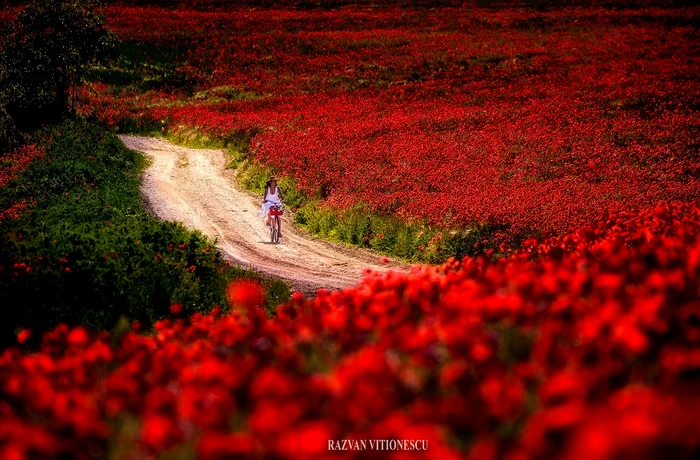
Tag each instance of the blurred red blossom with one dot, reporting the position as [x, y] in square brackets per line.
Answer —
[246, 294]
[175, 308]
[576, 345]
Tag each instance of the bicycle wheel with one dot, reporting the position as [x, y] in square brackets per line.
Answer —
[273, 229]
[277, 230]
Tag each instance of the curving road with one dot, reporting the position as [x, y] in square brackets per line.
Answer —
[194, 187]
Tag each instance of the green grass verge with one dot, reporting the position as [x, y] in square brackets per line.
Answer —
[86, 251]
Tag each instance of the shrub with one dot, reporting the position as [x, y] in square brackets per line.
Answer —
[86, 252]
[92, 274]
[88, 176]
[45, 54]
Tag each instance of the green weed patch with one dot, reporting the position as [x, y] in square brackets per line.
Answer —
[86, 252]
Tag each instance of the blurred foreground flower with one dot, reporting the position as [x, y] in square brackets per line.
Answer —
[245, 294]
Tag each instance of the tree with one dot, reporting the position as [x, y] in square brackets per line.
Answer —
[45, 54]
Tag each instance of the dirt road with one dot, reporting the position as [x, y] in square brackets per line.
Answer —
[194, 187]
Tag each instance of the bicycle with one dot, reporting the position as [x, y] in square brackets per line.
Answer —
[275, 212]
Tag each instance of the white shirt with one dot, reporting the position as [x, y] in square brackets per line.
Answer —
[274, 197]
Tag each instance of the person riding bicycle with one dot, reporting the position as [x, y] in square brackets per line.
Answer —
[273, 197]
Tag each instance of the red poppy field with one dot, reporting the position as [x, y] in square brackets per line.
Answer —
[530, 121]
[572, 131]
[583, 346]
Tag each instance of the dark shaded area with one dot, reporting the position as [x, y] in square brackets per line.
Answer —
[146, 66]
[43, 57]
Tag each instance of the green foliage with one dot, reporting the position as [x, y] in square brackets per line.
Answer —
[45, 54]
[418, 241]
[88, 253]
[145, 66]
[225, 93]
[88, 176]
[253, 176]
[94, 273]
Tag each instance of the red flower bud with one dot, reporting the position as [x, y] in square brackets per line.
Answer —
[175, 308]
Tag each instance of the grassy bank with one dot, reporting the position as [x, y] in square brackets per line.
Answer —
[359, 226]
[85, 251]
